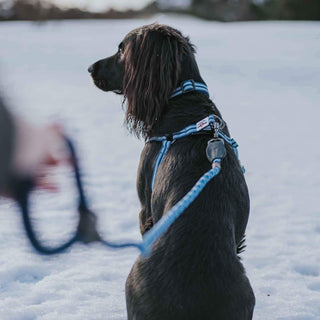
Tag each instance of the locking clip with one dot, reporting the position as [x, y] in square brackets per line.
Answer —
[215, 149]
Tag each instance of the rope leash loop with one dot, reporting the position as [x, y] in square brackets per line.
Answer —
[86, 230]
[22, 191]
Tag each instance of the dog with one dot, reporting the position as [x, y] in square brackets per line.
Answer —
[194, 271]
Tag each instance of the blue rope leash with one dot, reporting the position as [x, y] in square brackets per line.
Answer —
[171, 216]
[168, 219]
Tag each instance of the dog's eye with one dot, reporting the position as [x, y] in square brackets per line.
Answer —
[120, 48]
[120, 53]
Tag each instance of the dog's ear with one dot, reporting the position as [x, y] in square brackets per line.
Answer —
[152, 68]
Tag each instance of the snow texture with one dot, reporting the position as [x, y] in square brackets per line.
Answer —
[264, 77]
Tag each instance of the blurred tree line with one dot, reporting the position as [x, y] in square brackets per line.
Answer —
[42, 10]
[240, 10]
[221, 10]
[288, 10]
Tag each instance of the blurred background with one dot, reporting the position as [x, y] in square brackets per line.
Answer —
[221, 10]
[263, 72]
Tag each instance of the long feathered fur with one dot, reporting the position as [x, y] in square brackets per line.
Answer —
[153, 66]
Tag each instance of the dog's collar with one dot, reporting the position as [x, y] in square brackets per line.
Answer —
[188, 86]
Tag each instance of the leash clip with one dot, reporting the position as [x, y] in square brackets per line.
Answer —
[215, 129]
[215, 149]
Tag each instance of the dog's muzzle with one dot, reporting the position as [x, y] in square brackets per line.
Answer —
[91, 69]
[101, 84]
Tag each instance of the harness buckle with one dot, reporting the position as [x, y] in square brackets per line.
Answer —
[169, 136]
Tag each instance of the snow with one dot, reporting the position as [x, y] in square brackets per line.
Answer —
[264, 77]
[166, 4]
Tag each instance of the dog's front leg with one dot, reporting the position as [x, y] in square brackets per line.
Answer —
[144, 192]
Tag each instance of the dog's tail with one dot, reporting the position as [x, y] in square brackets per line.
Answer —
[241, 247]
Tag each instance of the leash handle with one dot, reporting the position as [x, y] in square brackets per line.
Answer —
[22, 191]
[86, 231]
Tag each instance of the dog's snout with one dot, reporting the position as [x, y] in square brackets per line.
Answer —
[91, 68]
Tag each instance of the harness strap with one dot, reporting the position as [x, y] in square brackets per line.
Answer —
[188, 86]
[164, 148]
[203, 125]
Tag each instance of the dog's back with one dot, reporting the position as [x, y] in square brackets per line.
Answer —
[194, 271]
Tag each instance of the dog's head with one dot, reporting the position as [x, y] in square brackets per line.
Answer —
[149, 64]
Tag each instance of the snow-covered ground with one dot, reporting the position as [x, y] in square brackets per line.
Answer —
[263, 76]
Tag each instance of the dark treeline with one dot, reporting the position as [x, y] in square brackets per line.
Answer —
[220, 10]
[37, 10]
[241, 10]
[288, 10]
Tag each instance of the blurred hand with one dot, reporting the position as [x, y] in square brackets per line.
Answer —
[37, 150]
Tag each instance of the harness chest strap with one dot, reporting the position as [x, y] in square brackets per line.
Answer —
[203, 125]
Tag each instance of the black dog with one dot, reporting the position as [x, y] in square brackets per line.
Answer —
[193, 272]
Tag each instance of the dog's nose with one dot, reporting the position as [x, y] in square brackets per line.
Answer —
[91, 69]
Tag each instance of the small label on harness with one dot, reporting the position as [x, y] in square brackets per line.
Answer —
[202, 124]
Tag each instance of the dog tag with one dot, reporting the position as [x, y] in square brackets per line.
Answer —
[215, 149]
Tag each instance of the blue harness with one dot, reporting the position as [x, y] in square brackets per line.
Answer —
[206, 124]
[215, 152]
